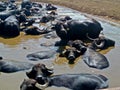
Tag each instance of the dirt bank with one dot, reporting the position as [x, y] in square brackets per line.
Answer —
[108, 9]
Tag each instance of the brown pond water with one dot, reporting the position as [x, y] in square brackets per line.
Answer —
[13, 49]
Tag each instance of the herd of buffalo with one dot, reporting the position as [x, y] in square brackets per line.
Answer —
[83, 38]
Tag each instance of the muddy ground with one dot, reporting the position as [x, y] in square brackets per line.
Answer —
[13, 49]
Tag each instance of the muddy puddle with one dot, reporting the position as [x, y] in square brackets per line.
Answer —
[17, 48]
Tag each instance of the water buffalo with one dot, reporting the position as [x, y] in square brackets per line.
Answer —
[83, 81]
[3, 6]
[12, 6]
[33, 30]
[50, 7]
[21, 17]
[41, 55]
[71, 54]
[73, 29]
[13, 66]
[95, 59]
[12, 1]
[26, 4]
[102, 42]
[76, 49]
[39, 70]
[47, 18]
[79, 45]
[66, 18]
[37, 4]
[11, 27]
[29, 84]
[6, 14]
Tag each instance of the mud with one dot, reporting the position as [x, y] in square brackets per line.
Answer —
[17, 49]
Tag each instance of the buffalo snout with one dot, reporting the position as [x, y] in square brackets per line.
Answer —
[41, 79]
[71, 54]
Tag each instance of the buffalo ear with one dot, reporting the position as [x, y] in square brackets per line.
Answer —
[77, 53]
[31, 74]
[63, 53]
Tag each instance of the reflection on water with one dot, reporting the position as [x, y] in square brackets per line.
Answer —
[13, 42]
[17, 48]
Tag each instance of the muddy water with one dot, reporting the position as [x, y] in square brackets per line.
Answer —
[17, 49]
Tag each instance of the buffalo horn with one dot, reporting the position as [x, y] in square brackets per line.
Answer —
[50, 68]
[100, 45]
[90, 37]
[42, 87]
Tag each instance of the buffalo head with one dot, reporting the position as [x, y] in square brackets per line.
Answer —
[71, 54]
[50, 7]
[61, 30]
[79, 45]
[39, 71]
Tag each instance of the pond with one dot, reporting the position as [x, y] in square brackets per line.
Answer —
[13, 49]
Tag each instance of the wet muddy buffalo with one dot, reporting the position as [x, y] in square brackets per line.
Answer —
[3, 6]
[95, 59]
[76, 48]
[41, 55]
[26, 3]
[13, 66]
[33, 30]
[10, 27]
[102, 42]
[83, 81]
[6, 14]
[50, 7]
[73, 29]
[79, 45]
[71, 54]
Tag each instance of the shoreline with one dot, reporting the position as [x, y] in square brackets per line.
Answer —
[92, 8]
[85, 11]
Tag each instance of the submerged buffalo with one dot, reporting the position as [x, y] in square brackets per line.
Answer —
[73, 29]
[26, 4]
[13, 66]
[82, 81]
[3, 6]
[102, 42]
[41, 55]
[6, 14]
[95, 59]
[77, 48]
[10, 27]
[79, 45]
[71, 54]
[50, 7]
[34, 30]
